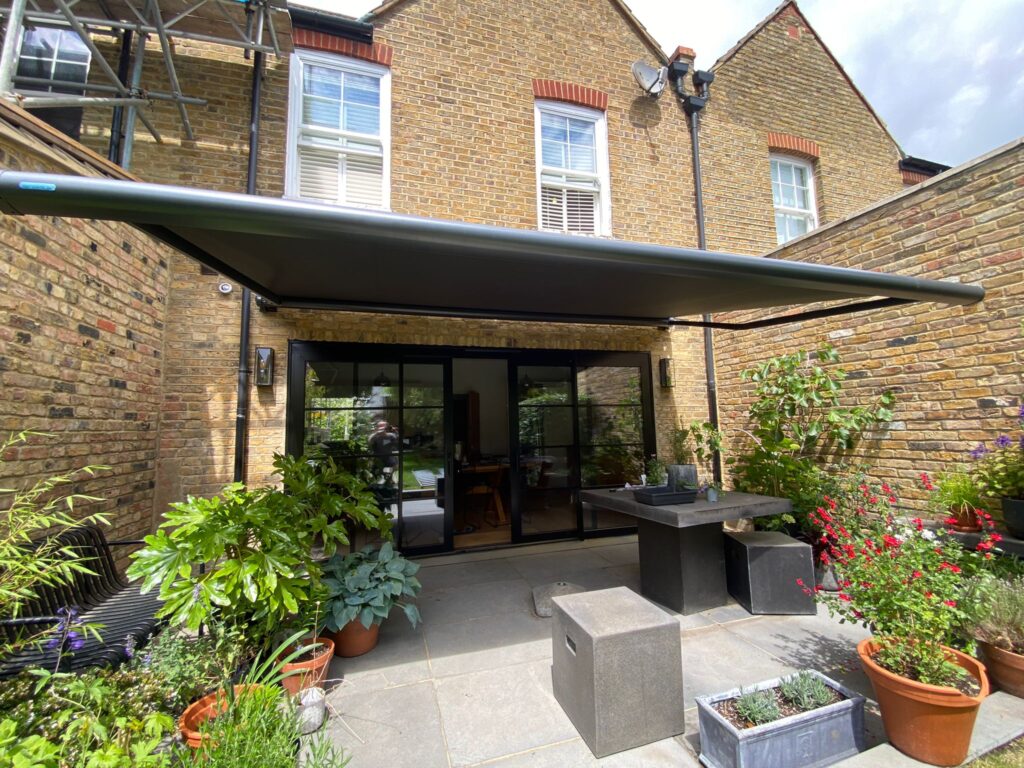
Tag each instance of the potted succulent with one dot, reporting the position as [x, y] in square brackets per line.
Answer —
[957, 496]
[996, 620]
[906, 583]
[362, 588]
[805, 719]
[1000, 473]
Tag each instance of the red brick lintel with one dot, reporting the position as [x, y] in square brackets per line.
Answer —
[793, 145]
[571, 93]
[378, 53]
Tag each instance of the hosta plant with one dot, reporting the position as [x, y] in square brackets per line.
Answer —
[903, 581]
[366, 585]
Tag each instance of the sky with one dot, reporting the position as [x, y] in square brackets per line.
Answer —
[946, 76]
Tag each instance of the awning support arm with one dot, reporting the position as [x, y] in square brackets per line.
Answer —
[812, 314]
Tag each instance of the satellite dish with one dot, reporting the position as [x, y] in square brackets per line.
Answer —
[651, 81]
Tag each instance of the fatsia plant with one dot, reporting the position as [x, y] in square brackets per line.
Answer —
[366, 585]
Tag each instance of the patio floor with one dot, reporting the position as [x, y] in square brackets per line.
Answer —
[472, 684]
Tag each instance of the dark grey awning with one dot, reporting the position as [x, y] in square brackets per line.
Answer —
[298, 254]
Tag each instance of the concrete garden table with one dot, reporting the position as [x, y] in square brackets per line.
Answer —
[682, 547]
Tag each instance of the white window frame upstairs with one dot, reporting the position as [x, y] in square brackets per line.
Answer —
[301, 57]
[65, 38]
[810, 214]
[603, 224]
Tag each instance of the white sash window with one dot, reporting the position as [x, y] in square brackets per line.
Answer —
[793, 197]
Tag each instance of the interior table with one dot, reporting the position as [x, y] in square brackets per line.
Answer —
[682, 547]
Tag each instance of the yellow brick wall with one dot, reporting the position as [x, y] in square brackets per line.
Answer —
[782, 80]
[957, 371]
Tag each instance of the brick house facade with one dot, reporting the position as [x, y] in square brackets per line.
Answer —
[124, 321]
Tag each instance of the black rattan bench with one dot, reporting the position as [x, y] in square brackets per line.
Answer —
[102, 598]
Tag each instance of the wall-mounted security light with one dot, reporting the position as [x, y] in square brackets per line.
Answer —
[650, 79]
[225, 288]
[264, 367]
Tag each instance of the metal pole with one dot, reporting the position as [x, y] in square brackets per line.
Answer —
[47, 102]
[242, 411]
[100, 88]
[116, 120]
[129, 121]
[172, 75]
[12, 44]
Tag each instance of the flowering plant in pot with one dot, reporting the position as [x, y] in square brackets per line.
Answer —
[362, 588]
[956, 496]
[906, 583]
[996, 621]
[1000, 473]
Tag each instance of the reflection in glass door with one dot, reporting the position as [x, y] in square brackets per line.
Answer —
[384, 422]
[546, 456]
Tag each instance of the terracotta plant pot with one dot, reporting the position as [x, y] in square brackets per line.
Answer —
[354, 639]
[1005, 667]
[929, 723]
[311, 672]
[201, 710]
[966, 519]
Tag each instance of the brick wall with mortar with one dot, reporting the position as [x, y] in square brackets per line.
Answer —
[782, 80]
[82, 322]
[958, 371]
[462, 148]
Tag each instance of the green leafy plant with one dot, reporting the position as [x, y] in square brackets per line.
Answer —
[31, 556]
[806, 691]
[656, 472]
[682, 451]
[187, 666]
[18, 751]
[800, 431]
[757, 707]
[999, 470]
[905, 582]
[366, 585]
[955, 494]
[995, 612]
[258, 548]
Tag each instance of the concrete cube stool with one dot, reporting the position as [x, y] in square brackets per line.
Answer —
[617, 669]
[762, 568]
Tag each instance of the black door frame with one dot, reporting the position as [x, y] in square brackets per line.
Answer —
[300, 352]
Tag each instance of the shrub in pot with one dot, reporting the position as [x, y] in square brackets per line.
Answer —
[803, 719]
[907, 584]
[1000, 473]
[362, 588]
[957, 496]
[996, 620]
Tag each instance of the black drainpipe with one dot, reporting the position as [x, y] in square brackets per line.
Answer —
[693, 105]
[116, 129]
[242, 412]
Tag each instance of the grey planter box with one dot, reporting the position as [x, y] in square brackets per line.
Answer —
[809, 740]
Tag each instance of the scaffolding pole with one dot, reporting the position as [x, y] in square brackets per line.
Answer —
[130, 114]
[172, 75]
[12, 43]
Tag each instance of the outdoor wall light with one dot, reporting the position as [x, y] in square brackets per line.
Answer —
[665, 372]
[264, 367]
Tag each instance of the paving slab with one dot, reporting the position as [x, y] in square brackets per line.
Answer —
[395, 727]
[475, 601]
[399, 658]
[667, 753]
[557, 566]
[500, 712]
[436, 577]
[620, 554]
[487, 643]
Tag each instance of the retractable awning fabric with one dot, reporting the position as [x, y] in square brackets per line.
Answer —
[298, 254]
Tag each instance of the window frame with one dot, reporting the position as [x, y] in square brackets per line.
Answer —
[299, 58]
[602, 175]
[36, 88]
[811, 214]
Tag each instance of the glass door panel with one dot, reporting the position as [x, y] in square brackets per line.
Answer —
[546, 461]
[423, 456]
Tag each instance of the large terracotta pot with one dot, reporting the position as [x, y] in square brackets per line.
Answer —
[201, 710]
[1005, 667]
[354, 639]
[929, 723]
[966, 518]
[309, 673]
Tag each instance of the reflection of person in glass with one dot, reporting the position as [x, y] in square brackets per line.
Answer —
[384, 447]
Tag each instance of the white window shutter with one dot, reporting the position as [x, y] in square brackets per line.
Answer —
[580, 211]
[319, 174]
[364, 180]
[552, 209]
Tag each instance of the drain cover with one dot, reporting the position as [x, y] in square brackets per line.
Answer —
[542, 595]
